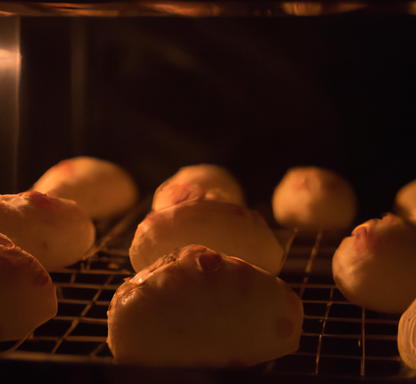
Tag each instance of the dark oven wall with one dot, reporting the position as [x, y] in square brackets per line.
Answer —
[257, 95]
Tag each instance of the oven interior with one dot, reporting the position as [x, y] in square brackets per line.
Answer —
[255, 94]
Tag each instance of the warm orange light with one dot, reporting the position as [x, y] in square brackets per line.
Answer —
[412, 8]
[186, 9]
[9, 61]
[306, 8]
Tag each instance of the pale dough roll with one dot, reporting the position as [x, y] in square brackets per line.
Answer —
[196, 307]
[375, 267]
[226, 227]
[202, 181]
[405, 202]
[55, 231]
[313, 198]
[102, 188]
[27, 294]
[406, 336]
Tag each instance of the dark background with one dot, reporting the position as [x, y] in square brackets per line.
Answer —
[256, 95]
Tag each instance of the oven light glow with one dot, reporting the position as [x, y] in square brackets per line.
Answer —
[9, 60]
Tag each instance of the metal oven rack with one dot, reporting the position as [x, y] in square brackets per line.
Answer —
[339, 339]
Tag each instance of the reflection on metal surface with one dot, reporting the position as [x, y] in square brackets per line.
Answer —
[146, 8]
[316, 9]
[215, 8]
[185, 9]
[10, 70]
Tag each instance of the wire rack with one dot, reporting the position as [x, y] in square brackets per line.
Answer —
[338, 338]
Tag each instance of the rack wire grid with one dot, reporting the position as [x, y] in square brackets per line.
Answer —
[338, 337]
